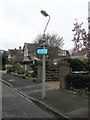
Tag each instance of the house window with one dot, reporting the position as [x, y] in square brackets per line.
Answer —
[9, 56]
[26, 59]
[26, 52]
[62, 53]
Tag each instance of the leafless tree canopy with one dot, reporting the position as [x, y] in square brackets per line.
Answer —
[79, 36]
[53, 42]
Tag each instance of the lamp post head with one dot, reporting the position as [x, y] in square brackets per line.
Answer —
[44, 13]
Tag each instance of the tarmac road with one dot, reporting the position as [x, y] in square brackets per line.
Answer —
[61, 103]
[16, 106]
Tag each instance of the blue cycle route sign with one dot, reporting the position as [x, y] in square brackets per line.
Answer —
[42, 51]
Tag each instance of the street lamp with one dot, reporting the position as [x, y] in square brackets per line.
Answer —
[43, 64]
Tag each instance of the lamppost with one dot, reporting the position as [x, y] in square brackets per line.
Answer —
[43, 64]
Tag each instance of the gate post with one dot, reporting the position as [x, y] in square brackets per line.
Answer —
[39, 73]
[64, 69]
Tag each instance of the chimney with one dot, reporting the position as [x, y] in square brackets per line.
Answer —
[19, 47]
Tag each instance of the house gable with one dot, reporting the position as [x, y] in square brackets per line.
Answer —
[30, 50]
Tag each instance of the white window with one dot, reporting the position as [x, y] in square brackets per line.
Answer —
[62, 53]
[25, 52]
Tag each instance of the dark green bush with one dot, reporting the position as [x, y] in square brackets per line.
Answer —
[77, 64]
[77, 81]
[28, 62]
[33, 74]
[27, 74]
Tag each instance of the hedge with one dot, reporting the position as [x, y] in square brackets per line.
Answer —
[77, 81]
[77, 64]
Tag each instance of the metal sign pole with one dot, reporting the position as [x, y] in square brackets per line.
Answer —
[43, 76]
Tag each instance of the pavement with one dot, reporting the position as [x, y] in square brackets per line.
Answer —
[62, 102]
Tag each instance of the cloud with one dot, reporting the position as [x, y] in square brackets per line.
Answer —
[21, 21]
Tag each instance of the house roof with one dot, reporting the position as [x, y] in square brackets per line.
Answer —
[14, 51]
[31, 46]
[81, 53]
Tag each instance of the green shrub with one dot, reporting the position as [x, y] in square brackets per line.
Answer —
[77, 64]
[23, 76]
[20, 72]
[16, 68]
[33, 74]
[9, 68]
[77, 81]
[27, 74]
[28, 62]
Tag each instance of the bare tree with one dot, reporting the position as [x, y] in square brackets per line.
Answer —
[53, 42]
[79, 36]
[81, 39]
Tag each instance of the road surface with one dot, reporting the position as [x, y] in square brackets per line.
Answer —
[16, 106]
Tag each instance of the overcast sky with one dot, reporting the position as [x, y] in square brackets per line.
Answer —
[21, 20]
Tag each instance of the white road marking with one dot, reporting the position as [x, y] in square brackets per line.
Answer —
[25, 114]
[31, 86]
[40, 90]
[11, 80]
